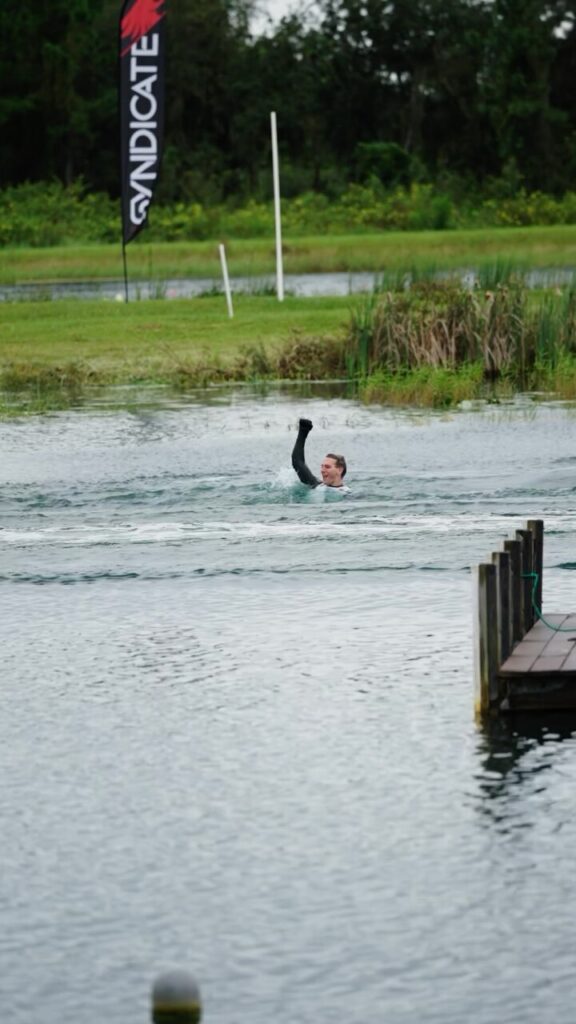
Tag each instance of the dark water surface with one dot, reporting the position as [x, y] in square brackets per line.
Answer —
[237, 725]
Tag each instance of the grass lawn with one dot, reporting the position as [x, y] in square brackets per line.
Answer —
[117, 337]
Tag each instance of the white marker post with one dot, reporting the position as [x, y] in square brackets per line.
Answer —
[276, 180]
[227, 291]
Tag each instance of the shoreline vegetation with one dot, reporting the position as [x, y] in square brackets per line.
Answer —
[435, 344]
[50, 214]
[519, 248]
[503, 250]
[423, 336]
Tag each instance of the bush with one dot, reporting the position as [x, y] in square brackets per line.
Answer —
[45, 214]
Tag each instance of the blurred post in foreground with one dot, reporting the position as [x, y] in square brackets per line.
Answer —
[176, 999]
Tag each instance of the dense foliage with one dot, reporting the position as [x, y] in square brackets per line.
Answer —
[469, 95]
[49, 214]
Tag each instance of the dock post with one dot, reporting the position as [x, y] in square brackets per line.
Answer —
[176, 999]
[501, 560]
[514, 549]
[520, 663]
[536, 527]
[526, 541]
[486, 630]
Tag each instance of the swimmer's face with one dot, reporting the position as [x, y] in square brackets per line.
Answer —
[331, 473]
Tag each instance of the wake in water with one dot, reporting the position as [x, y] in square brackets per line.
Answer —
[286, 484]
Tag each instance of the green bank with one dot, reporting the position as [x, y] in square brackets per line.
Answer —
[52, 352]
[120, 336]
[379, 252]
[436, 345]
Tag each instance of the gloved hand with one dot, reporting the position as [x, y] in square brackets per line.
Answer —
[305, 426]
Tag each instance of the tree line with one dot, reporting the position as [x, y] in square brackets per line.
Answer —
[469, 94]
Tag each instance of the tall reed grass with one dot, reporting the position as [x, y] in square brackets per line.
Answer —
[486, 274]
[507, 331]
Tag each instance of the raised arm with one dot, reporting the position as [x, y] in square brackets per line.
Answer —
[298, 457]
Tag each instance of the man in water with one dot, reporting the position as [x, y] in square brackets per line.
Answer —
[332, 470]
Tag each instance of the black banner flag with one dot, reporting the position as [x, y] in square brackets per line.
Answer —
[141, 108]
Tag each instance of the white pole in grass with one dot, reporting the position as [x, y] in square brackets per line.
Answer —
[276, 180]
[227, 291]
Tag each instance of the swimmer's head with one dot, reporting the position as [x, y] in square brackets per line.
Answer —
[333, 470]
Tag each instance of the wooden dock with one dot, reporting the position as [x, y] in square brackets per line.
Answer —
[541, 671]
[525, 661]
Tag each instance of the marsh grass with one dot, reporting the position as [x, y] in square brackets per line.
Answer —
[71, 378]
[501, 272]
[487, 274]
[383, 252]
[36, 389]
[558, 379]
[554, 326]
[441, 325]
[435, 387]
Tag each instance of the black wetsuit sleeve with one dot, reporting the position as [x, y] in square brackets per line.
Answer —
[298, 457]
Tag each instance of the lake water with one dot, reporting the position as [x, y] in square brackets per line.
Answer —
[237, 727]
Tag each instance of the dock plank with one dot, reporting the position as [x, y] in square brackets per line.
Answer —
[548, 664]
[570, 663]
[540, 672]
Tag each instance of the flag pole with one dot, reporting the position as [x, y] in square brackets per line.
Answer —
[124, 261]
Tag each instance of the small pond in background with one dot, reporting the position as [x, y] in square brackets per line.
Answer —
[300, 285]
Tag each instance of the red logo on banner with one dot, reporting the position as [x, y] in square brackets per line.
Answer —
[139, 20]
